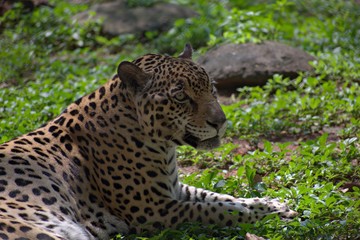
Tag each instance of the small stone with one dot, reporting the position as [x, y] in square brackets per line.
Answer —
[250, 236]
[119, 18]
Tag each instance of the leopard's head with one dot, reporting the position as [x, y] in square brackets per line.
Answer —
[175, 100]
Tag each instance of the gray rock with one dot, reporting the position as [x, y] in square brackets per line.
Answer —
[120, 19]
[233, 66]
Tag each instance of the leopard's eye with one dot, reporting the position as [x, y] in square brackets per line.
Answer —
[181, 97]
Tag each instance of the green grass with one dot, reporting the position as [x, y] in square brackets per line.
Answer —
[302, 134]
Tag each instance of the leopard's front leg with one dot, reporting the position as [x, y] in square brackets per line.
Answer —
[264, 205]
[190, 193]
[170, 213]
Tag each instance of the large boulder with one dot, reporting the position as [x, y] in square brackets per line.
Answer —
[233, 65]
[119, 18]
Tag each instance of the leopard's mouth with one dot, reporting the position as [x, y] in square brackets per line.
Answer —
[197, 143]
[191, 139]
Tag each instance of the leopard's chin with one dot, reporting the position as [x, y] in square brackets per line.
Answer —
[205, 144]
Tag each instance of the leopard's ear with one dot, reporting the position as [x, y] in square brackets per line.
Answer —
[133, 77]
[187, 53]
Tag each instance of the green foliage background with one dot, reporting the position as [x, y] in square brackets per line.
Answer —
[47, 60]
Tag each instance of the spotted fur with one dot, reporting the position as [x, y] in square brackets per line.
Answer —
[107, 164]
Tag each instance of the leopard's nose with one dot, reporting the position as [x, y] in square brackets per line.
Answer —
[218, 119]
[218, 124]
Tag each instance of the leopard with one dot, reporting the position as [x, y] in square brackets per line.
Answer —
[107, 164]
